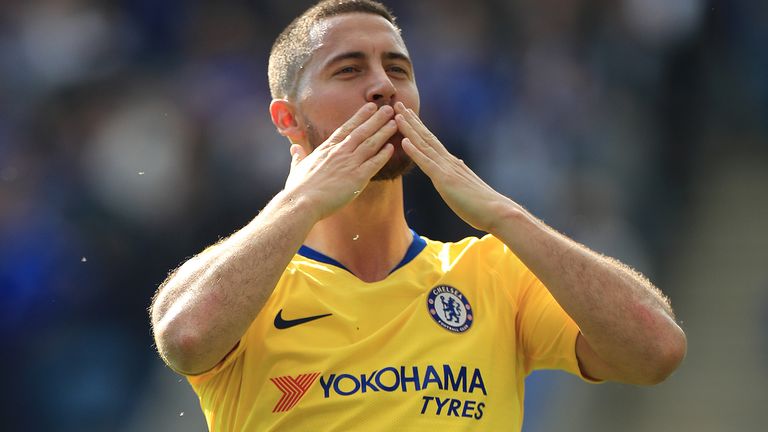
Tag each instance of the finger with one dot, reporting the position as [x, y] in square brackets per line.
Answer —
[297, 155]
[427, 164]
[364, 113]
[377, 162]
[415, 137]
[400, 108]
[425, 133]
[421, 129]
[370, 127]
[373, 144]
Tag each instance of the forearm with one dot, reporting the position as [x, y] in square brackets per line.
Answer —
[205, 307]
[626, 321]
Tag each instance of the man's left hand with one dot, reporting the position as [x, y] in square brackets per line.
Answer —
[465, 193]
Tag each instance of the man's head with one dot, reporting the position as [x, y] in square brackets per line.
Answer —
[330, 61]
[295, 44]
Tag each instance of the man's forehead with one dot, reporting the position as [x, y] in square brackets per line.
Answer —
[340, 32]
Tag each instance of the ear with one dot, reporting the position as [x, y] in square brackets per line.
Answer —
[284, 118]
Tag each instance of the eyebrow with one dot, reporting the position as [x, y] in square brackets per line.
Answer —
[359, 55]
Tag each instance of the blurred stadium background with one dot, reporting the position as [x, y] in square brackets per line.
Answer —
[134, 133]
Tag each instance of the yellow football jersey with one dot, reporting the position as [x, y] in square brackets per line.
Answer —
[444, 342]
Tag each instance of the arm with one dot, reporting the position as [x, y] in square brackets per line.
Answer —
[628, 329]
[203, 309]
[628, 332]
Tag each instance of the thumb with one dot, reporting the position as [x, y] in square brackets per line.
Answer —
[297, 154]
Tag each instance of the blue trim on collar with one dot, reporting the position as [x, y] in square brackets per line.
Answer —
[417, 245]
[308, 252]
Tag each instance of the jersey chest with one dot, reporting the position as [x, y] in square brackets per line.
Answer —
[440, 346]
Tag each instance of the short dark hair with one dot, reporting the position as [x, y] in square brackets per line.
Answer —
[292, 48]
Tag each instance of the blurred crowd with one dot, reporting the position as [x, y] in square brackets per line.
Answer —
[134, 133]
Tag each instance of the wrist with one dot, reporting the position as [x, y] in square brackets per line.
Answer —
[507, 213]
[295, 203]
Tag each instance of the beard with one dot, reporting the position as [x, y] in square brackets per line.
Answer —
[397, 166]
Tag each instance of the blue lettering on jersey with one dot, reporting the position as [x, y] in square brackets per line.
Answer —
[327, 385]
[405, 379]
[451, 407]
[477, 382]
[395, 378]
[431, 377]
[456, 382]
[351, 379]
[414, 378]
[441, 404]
[367, 382]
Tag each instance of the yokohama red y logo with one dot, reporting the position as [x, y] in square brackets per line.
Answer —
[293, 389]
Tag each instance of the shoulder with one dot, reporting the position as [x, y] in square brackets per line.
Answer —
[486, 244]
[304, 268]
[487, 249]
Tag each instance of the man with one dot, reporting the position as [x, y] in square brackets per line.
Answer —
[370, 326]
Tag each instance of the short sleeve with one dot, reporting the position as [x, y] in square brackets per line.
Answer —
[233, 355]
[546, 334]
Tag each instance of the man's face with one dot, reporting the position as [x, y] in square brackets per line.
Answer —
[358, 58]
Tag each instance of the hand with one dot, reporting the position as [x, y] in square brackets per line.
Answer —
[340, 168]
[465, 193]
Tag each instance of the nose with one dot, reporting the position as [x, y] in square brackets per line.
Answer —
[381, 90]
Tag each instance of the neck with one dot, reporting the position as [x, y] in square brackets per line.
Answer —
[369, 236]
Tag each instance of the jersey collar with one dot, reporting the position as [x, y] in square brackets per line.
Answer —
[417, 245]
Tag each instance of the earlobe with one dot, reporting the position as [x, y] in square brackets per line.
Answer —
[284, 119]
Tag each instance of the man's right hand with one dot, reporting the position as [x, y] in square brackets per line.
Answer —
[203, 309]
[334, 173]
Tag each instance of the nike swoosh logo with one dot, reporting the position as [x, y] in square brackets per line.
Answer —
[283, 324]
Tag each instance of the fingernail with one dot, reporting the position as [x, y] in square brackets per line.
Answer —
[370, 107]
[386, 109]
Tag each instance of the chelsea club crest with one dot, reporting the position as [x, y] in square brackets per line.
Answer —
[449, 308]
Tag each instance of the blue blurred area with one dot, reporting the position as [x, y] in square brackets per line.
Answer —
[135, 133]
